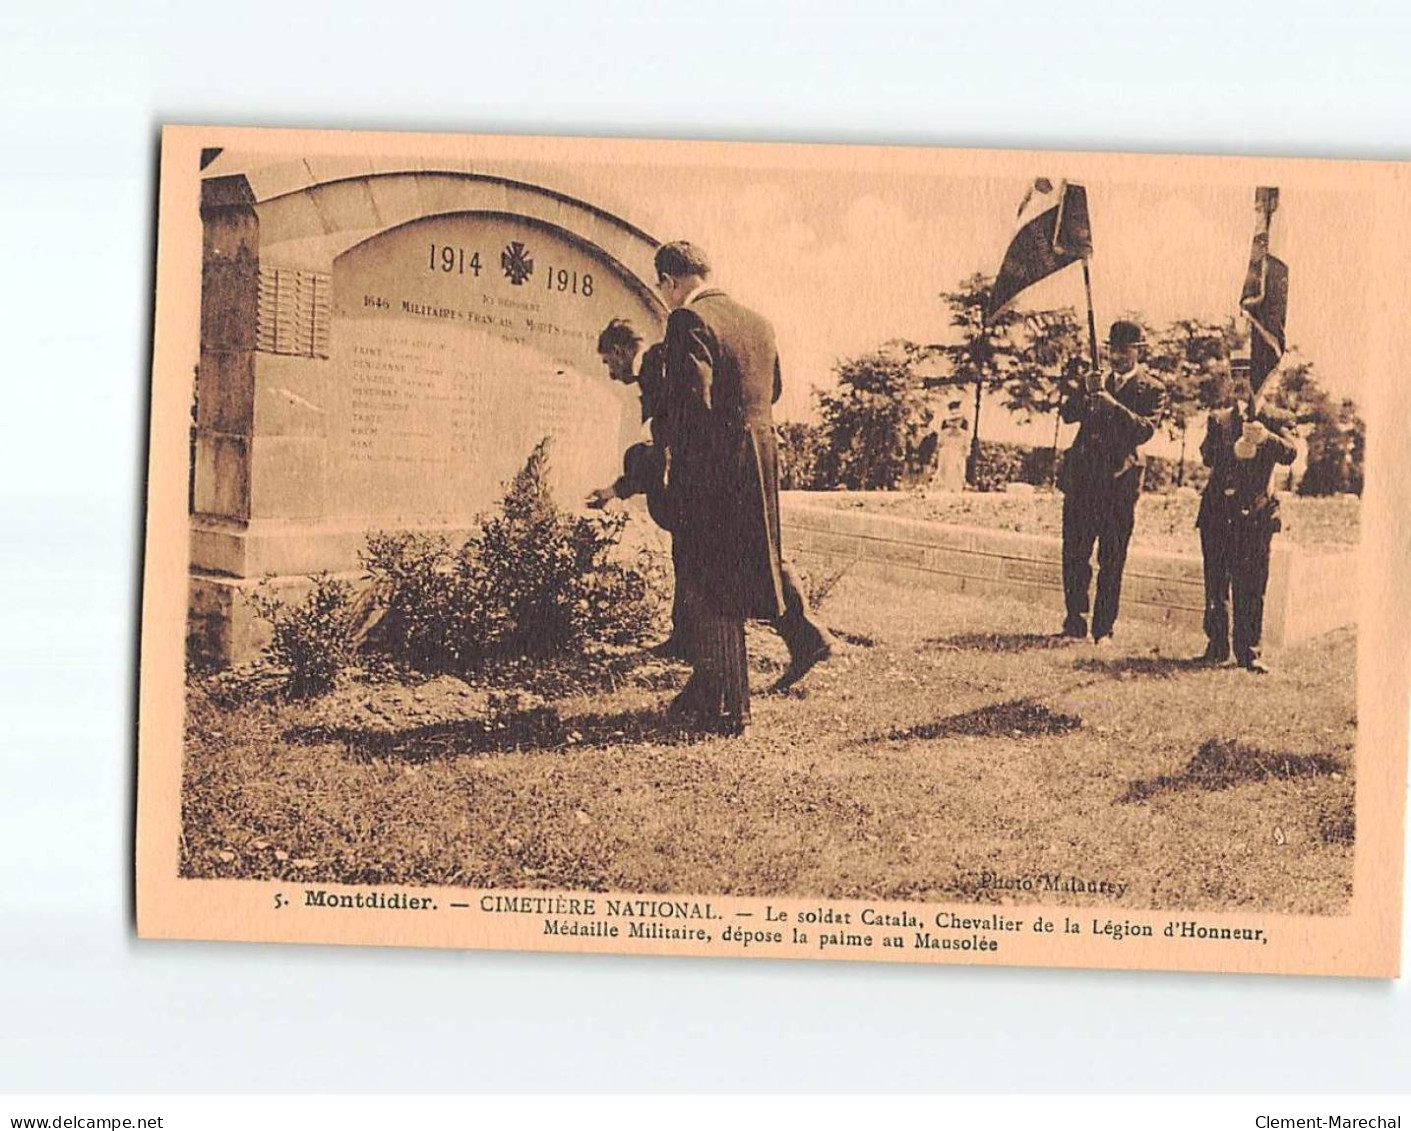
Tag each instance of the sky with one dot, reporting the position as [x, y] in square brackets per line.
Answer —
[845, 256]
[841, 262]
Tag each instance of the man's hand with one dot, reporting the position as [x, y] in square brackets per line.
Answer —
[1255, 432]
[601, 497]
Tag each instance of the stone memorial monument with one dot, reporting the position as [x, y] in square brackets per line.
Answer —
[381, 349]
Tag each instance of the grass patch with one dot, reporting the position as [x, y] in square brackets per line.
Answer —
[955, 742]
[998, 641]
[1164, 522]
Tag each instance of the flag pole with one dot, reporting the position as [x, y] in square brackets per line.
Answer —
[1266, 199]
[1092, 319]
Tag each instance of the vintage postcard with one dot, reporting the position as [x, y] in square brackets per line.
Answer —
[831, 552]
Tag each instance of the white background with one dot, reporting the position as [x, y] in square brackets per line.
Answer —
[83, 1005]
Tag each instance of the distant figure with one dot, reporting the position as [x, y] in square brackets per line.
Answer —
[1101, 479]
[723, 376]
[952, 449]
[1238, 518]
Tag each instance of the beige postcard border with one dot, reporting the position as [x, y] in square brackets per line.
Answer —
[1365, 942]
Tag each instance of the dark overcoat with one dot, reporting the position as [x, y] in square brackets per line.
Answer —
[1115, 422]
[1238, 490]
[723, 377]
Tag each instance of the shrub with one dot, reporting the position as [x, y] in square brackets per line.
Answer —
[311, 641]
[998, 464]
[1335, 456]
[546, 577]
[875, 419]
[1162, 474]
[532, 581]
[425, 593]
[803, 451]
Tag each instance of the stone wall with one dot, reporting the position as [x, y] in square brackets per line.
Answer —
[1308, 592]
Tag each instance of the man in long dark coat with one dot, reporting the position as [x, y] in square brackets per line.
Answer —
[1101, 480]
[1238, 519]
[645, 471]
[723, 377]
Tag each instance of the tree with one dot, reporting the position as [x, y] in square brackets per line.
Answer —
[876, 418]
[1191, 357]
[1335, 449]
[1052, 341]
[986, 354]
[1336, 434]
[1297, 391]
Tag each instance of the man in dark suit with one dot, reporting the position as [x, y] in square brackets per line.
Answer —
[1101, 479]
[723, 377]
[1238, 519]
[644, 465]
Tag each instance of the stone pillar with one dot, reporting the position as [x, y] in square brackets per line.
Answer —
[260, 436]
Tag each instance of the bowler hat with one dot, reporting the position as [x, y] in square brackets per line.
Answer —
[1124, 333]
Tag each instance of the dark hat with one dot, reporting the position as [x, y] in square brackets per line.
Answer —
[1124, 333]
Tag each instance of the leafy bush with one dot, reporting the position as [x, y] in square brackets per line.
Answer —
[426, 593]
[803, 451]
[1164, 474]
[549, 585]
[1000, 464]
[875, 420]
[1336, 450]
[532, 581]
[996, 465]
[311, 640]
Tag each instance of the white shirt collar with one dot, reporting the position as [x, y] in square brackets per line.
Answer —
[1119, 380]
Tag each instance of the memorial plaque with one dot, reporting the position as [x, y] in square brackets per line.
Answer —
[458, 343]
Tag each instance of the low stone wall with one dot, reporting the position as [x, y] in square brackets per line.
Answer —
[1309, 592]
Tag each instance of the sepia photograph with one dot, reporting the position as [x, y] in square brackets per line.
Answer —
[787, 551]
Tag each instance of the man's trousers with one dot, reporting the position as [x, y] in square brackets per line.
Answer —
[1236, 558]
[1103, 516]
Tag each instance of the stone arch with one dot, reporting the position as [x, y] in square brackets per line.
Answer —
[306, 222]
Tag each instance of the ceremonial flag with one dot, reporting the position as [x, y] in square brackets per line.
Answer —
[1053, 232]
[1265, 297]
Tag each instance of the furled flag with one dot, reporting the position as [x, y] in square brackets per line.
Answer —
[1265, 297]
[1053, 232]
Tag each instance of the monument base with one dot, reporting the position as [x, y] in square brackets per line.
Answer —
[230, 560]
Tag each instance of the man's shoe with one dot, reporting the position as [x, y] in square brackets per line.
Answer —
[1256, 665]
[669, 649]
[736, 727]
[1213, 656]
[686, 710]
[800, 666]
[1075, 628]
